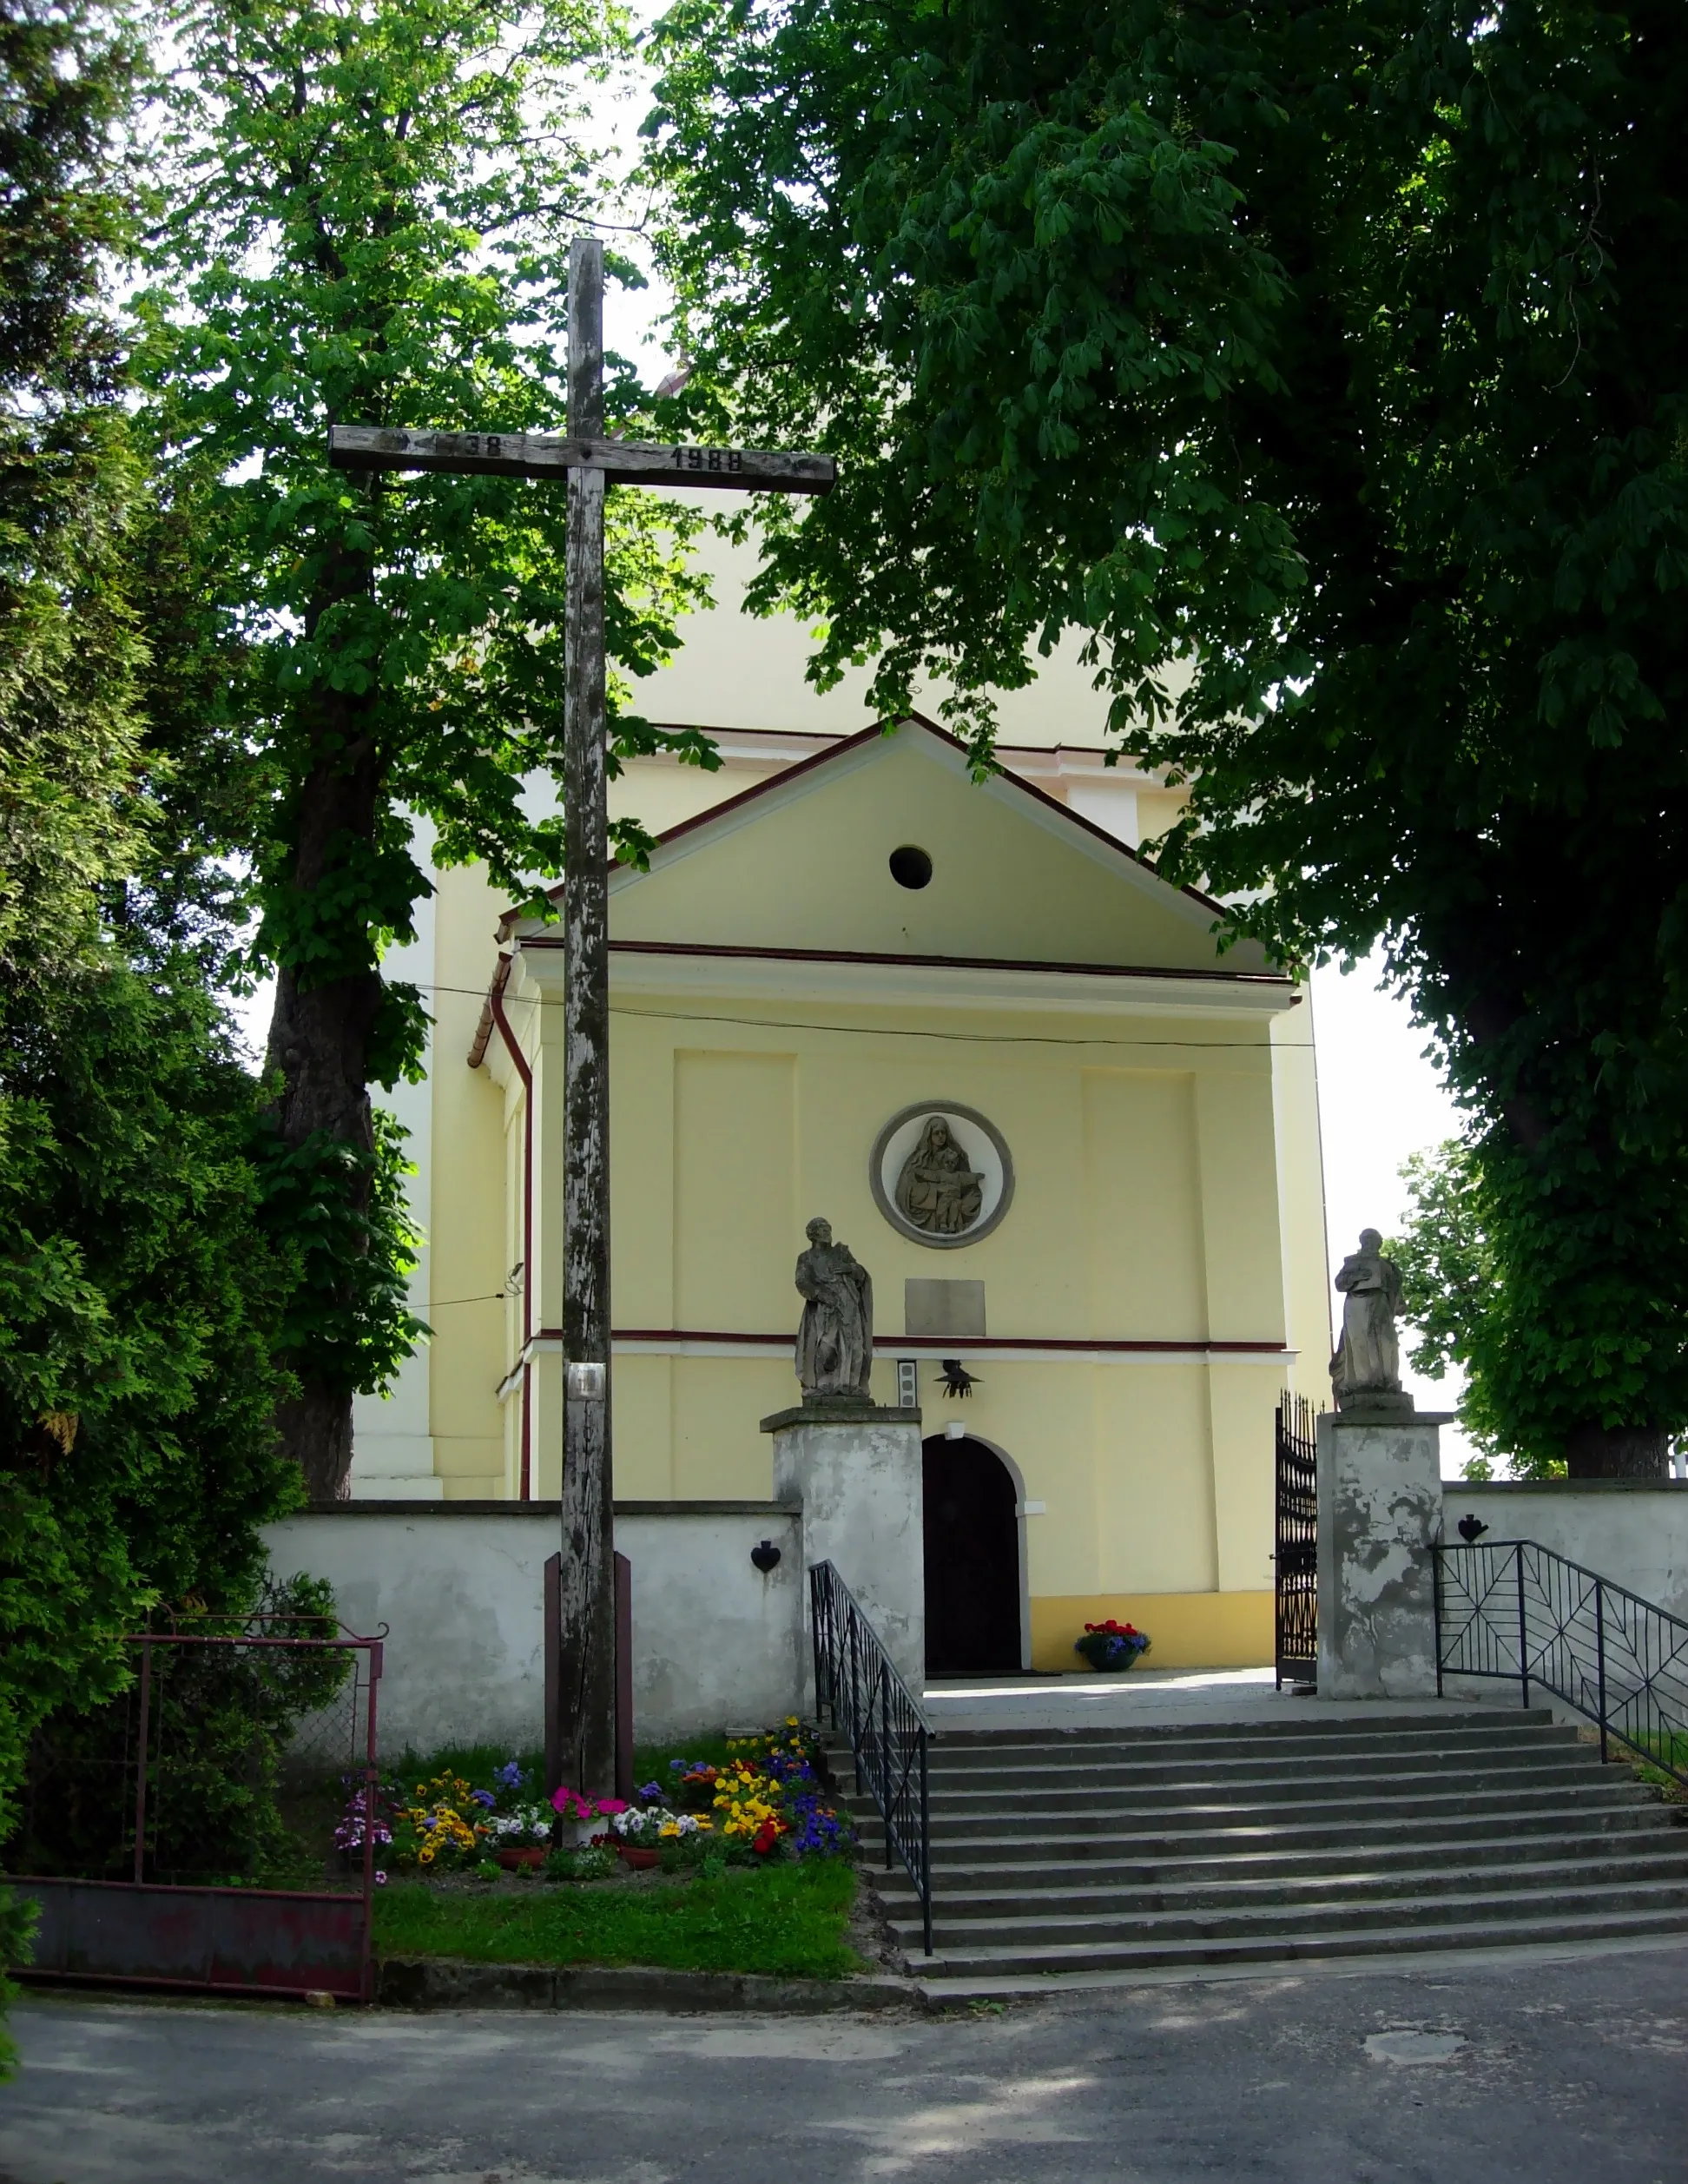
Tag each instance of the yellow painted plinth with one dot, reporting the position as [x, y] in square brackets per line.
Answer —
[1190, 1630]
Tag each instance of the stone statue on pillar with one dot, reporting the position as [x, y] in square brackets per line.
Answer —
[856, 1470]
[1367, 1360]
[835, 1339]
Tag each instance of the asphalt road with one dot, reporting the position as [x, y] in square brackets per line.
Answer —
[1574, 2072]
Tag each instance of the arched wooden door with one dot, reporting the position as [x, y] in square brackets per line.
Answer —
[972, 1576]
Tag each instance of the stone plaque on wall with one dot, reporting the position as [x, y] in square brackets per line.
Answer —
[941, 1174]
[943, 1308]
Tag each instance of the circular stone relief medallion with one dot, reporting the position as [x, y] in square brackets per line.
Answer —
[941, 1174]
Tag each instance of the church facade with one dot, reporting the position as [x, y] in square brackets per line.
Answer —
[1073, 1147]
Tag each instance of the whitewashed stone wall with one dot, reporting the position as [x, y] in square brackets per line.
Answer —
[1634, 1532]
[460, 1585]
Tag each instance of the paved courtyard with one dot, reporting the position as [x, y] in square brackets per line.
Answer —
[1573, 2071]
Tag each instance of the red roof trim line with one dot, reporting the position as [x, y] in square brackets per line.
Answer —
[932, 962]
[478, 1045]
[891, 1343]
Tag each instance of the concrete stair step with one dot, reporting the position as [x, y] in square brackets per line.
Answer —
[1227, 1919]
[1130, 1779]
[1381, 1831]
[1521, 1735]
[1099, 1854]
[966, 1906]
[1300, 1787]
[1433, 1853]
[1096, 1820]
[1436, 1718]
[1268, 1946]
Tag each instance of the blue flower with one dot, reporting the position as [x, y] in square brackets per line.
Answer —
[484, 1797]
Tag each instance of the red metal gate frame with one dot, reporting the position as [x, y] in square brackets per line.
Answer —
[61, 1894]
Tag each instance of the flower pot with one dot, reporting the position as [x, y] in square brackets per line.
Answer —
[513, 1861]
[636, 1856]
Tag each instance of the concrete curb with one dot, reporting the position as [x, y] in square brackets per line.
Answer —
[451, 1983]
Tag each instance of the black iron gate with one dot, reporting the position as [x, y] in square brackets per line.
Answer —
[1297, 1558]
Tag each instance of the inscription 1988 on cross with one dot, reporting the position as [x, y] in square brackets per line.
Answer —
[580, 1741]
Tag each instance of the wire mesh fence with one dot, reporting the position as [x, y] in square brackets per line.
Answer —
[226, 1762]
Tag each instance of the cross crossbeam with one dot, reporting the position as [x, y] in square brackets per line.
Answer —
[550, 454]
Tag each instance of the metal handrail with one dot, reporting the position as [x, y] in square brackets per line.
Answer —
[1510, 1608]
[857, 1686]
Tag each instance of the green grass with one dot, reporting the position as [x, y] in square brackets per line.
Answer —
[788, 1919]
[475, 1762]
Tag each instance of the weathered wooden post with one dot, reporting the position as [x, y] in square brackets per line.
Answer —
[586, 1602]
[583, 1736]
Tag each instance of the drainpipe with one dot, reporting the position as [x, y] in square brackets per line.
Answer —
[495, 1002]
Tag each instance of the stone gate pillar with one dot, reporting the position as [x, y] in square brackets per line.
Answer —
[1379, 1505]
[856, 1468]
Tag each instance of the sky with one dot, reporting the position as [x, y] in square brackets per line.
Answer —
[1380, 1101]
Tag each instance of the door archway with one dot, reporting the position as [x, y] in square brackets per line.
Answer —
[972, 1556]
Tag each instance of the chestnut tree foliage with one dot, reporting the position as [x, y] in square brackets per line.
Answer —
[1333, 351]
[365, 209]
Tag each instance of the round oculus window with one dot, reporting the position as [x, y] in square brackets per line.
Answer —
[910, 867]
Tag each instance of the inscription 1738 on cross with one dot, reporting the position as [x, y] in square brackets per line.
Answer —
[582, 1741]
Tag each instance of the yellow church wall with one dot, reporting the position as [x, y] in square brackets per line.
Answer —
[468, 1212]
[1237, 1162]
[768, 1122]
[642, 1429]
[1301, 1170]
[734, 1219]
[719, 1451]
[737, 671]
[1190, 1630]
[1143, 1212]
[660, 793]
[1155, 1473]
[1157, 810]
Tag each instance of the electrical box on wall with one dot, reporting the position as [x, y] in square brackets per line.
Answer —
[908, 1383]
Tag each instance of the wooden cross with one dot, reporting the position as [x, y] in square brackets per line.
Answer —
[589, 462]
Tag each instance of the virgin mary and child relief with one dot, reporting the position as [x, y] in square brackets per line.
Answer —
[937, 1190]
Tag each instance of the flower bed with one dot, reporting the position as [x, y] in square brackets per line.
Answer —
[764, 1802]
[750, 1872]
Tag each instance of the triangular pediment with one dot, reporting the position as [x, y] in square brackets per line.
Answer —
[803, 862]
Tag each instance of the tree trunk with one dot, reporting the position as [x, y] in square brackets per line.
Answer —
[1618, 1452]
[316, 1431]
[318, 1040]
